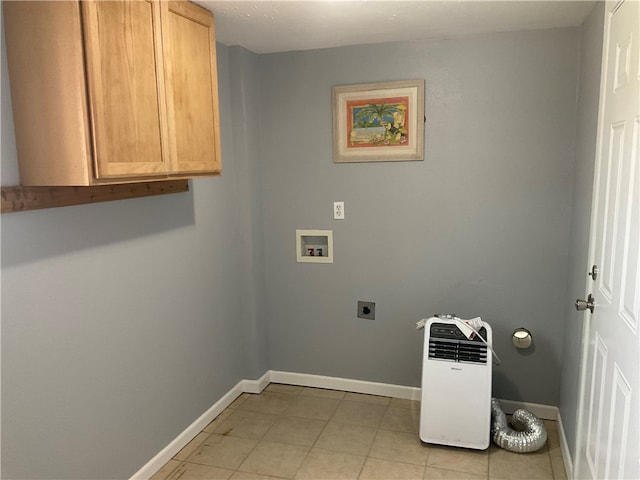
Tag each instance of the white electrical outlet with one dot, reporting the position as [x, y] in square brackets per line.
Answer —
[338, 210]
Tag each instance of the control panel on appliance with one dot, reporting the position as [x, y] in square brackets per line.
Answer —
[452, 332]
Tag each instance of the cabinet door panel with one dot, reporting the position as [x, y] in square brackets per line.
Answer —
[124, 67]
[192, 87]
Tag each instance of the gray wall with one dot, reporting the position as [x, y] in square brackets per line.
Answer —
[123, 322]
[481, 227]
[244, 108]
[589, 92]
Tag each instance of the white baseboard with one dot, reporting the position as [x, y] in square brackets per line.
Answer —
[564, 447]
[256, 386]
[318, 381]
[168, 452]
[336, 383]
[546, 412]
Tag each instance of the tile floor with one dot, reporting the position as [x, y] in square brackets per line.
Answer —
[311, 433]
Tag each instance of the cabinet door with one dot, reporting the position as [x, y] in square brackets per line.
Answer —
[192, 87]
[126, 87]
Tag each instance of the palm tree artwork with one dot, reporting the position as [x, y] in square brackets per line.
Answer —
[378, 122]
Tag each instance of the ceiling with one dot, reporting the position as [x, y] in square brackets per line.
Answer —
[286, 25]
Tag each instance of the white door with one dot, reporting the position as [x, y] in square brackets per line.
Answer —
[609, 422]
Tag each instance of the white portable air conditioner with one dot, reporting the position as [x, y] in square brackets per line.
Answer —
[456, 385]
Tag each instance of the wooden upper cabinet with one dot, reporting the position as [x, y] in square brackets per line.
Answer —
[192, 86]
[112, 92]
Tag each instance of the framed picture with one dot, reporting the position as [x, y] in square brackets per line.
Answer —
[378, 122]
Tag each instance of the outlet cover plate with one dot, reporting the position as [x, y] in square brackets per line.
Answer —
[366, 310]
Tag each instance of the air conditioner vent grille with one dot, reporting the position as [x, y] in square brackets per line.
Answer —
[457, 350]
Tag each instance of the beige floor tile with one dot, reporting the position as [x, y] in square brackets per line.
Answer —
[399, 447]
[193, 471]
[274, 403]
[432, 473]
[218, 420]
[558, 468]
[327, 465]
[223, 451]
[345, 438]
[323, 393]
[553, 438]
[297, 440]
[247, 424]
[275, 459]
[240, 400]
[190, 447]
[365, 398]
[550, 425]
[375, 469]
[284, 388]
[312, 407]
[359, 413]
[295, 430]
[401, 419]
[460, 459]
[166, 469]
[517, 466]
[252, 476]
[404, 403]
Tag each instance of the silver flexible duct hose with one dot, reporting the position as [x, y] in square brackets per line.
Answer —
[527, 435]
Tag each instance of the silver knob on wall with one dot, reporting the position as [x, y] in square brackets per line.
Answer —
[522, 338]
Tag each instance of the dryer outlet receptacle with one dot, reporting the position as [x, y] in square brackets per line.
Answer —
[366, 310]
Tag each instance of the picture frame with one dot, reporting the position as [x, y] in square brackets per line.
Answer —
[378, 122]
